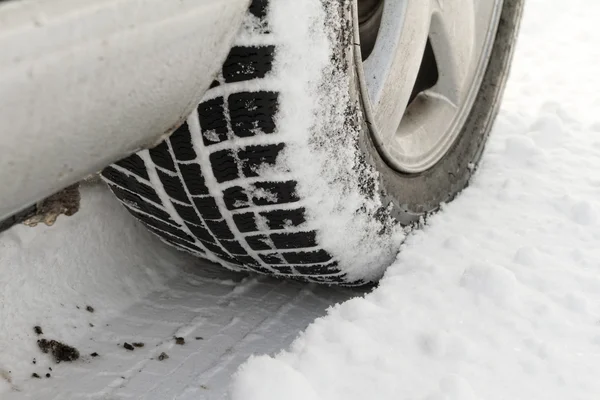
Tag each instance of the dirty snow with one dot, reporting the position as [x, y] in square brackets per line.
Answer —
[49, 276]
[141, 291]
[498, 297]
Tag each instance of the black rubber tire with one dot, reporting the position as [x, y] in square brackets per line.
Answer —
[417, 195]
[241, 185]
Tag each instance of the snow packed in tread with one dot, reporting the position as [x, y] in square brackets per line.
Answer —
[235, 219]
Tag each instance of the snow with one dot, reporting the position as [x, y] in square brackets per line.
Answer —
[498, 297]
[314, 102]
[224, 317]
[320, 156]
[49, 275]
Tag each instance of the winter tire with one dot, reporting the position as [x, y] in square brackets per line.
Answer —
[285, 166]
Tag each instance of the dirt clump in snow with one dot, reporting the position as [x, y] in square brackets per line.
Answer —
[60, 351]
[128, 346]
[6, 375]
[163, 356]
[64, 202]
[38, 330]
[179, 340]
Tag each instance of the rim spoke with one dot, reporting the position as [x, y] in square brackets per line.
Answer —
[418, 96]
[424, 118]
[392, 68]
[452, 36]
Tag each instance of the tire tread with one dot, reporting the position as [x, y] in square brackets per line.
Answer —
[246, 223]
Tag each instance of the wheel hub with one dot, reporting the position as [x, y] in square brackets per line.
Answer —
[421, 64]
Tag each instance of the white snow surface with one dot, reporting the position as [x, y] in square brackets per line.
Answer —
[498, 297]
[49, 275]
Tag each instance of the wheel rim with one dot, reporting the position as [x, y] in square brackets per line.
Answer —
[424, 61]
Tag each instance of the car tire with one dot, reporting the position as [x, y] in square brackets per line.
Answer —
[276, 171]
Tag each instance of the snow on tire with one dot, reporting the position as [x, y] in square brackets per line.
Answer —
[275, 172]
[266, 174]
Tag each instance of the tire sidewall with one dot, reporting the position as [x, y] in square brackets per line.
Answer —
[414, 196]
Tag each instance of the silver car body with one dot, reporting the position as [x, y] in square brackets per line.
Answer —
[84, 83]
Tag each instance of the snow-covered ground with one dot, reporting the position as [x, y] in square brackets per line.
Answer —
[139, 291]
[498, 297]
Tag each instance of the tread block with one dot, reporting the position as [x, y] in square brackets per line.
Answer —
[280, 219]
[329, 279]
[183, 244]
[255, 157]
[220, 229]
[272, 259]
[187, 213]
[245, 63]
[173, 186]
[139, 203]
[233, 247]
[258, 242]
[260, 269]
[181, 143]
[207, 206]
[323, 269]
[193, 178]
[224, 165]
[258, 8]
[296, 240]
[215, 248]
[212, 121]
[158, 224]
[283, 270]
[134, 164]
[231, 260]
[201, 233]
[245, 222]
[170, 238]
[252, 113]
[265, 193]
[131, 183]
[161, 156]
[307, 257]
[235, 198]
[249, 261]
